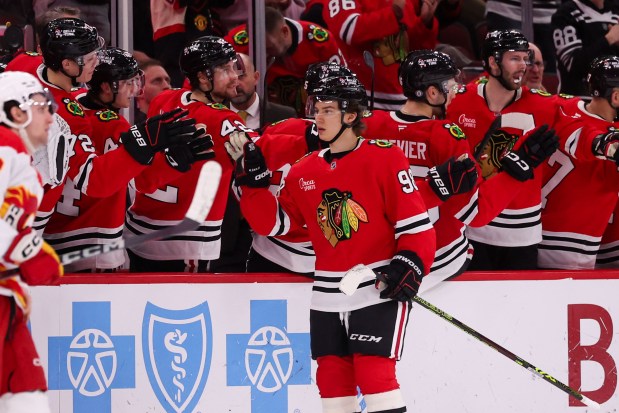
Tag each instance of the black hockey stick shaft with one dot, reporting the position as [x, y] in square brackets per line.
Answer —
[496, 124]
[201, 203]
[369, 61]
[521, 362]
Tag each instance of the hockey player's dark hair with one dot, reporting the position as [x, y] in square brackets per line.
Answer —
[273, 18]
[203, 55]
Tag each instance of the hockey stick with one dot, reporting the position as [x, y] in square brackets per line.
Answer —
[496, 124]
[206, 189]
[369, 61]
[360, 273]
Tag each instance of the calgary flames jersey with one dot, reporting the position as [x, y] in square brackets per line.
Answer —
[310, 44]
[571, 239]
[371, 25]
[519, 224]
[20, 186]
[81, 220]
[162, 201]
[361, 207]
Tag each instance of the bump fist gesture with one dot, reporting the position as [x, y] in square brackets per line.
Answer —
[251, 169]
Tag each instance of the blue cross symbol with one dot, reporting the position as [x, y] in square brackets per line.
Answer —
[91, 362]
[269, 358]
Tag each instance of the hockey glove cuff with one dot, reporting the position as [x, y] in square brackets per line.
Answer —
[251, 169]
[403, 276]
[43, 269]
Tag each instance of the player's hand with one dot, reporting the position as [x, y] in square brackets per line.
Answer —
[145, 139]
[539, 146]
[24, 246]
[516, 167]
[42, 269]
[198, 148]
[452, 177]
[251, 169]
[605, 146]
[403, 276]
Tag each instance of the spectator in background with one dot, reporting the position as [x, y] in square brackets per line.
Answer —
[156, 80]
[94, 12]
[236, 14]
[534, 76]
[248, 105]
[388, 29]
[294, 45]
[583, 31]
[507, 14]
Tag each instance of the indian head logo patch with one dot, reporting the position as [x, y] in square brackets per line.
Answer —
[338, 215]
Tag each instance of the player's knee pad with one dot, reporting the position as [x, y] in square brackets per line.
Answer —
[346, 404]
[25, 402]
[375, 374]
[335, 377]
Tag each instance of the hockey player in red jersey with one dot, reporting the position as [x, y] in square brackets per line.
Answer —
[25, 119]
[389, 29]
[211, 65]
[359, 203]
[510, 241]
[434, 148]
[70, 50]
[588, 161]
[294, 45]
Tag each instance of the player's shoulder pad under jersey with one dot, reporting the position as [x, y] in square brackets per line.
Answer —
[454, 131]
[540, 92]
[379, 143]
[316, 33]
[73, 107]
[106, 115]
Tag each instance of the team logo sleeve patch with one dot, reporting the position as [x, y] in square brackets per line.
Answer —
[73, 107]
[241, 38]
[455, 131]
[218, 106]
[317, 34]
[381, 143]
[106, 115]
[540, 92]
[338, 215]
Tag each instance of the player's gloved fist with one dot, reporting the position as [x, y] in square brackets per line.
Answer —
[605, 146]
[517, 167]
[24, 247]
[452, 177]
[198, 148]
[251, 169]
[145, 139]
[402, 276]
[539, 146]
[42, 269]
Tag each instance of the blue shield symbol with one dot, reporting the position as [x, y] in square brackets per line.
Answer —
[177, 348]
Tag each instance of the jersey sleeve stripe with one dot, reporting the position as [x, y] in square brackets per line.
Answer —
[348, 28]
[413, 225]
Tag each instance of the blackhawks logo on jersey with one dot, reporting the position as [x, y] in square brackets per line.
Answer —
[338, 215]
[540, 92]
[454, 130]
[73, 107]
[317, 33]
[499, 144]
[218, 106]
[381, 143]
[241, 38]
[106, 115]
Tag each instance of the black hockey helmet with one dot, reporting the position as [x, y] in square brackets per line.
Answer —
[603, 76]
[319, 71]
[204, 54]
[68, 38]
[114, 64]
[424, 68]
[347, 90]
[500, 41]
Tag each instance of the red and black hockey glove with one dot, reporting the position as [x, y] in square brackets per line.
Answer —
[251, 169]
[37, 260]
[605, 146]
[517, 167]
[403, 276]
[452, 177]
[198, 148]
[145, 139]
[539, 146]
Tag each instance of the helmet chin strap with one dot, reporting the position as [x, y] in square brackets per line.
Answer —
[342, 129]
[501, 79]
[74, 81]
[442, 106]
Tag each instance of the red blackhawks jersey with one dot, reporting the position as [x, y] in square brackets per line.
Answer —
[162, 201]
[519, 224]
[282, 144]
[81, 220]
[361, 207]
[285, 78]
[27, 62]
[571, 238]
[361, 25]
[608, 254]
[427, 143]
[20, 186]
[96, 176]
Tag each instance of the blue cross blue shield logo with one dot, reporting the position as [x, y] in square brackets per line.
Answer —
[177, 348]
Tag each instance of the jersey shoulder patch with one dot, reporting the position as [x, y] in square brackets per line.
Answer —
[73, 107]
[241, 38]
[455, 131]
[106, 115]
[540, 92]
[217, 106]
[380, 143]
[317, 33]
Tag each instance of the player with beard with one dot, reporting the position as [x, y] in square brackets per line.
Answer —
[510, 241]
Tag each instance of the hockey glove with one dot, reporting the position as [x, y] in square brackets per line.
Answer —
[539, 146]
[403, 276]
[605, 146]
[24, 247]
[452, 177]
[198, 148]
[43, 269]
[145, 139]
[251, 169]
[516, 167]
